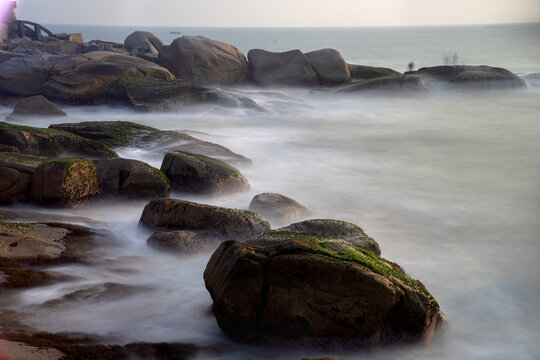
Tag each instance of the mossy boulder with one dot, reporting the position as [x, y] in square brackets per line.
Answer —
[131, 179]
[320, 230]
[184, 242]
[126, 133]
[36, 106]
[65, 182]
[278, 208]
[199, 174]
[50, 142]
[316, 294]
[472, 77]
[173, 214]
[369, 72]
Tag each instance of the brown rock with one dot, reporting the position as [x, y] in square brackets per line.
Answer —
[278, 208]
[318, 294]
[36, 106]
[202, 61]
[184, 242]
[14, 185]
[199, 174]
[173, 214]
[143, 37]
[329, 65]
[65, 182]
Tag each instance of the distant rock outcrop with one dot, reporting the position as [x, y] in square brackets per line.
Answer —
[36, 106]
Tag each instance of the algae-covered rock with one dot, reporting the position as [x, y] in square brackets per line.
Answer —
[320, 230]
[51, 142]
[173, 214]
[199, 174]
[316, 293]
[65, 182]
[132, 179]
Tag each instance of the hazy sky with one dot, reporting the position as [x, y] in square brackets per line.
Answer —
[232, 13]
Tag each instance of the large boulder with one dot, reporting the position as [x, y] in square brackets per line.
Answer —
[320, 230]
[319, 294]
[285, 68]
[143, 37]
[173, 214]
[131, 179]
[83, 78]
[50, 142]
[199, 174]
[202, 61]
[36, 106]
[278, 208]
[329, 65]
[472, 77]
[125, 133]
[65, 182]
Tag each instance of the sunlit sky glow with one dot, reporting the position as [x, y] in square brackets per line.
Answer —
[231, 13]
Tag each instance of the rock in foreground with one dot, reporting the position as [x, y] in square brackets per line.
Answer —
[320, 230]
[199, 174]
[318, 294]
[173, 214]
[278, 208]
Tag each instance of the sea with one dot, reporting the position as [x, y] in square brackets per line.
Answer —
[447, 183]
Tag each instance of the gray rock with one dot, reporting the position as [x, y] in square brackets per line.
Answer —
[278, 208]
[184, 242]
[330, 66]
[386, 85]
[199, 174]
[173, 214]
[202, 61]
[286, 68]
[143, 37]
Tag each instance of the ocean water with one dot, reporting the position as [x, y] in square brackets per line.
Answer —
[447, 183]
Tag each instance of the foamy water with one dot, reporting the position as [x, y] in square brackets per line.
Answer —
[447, 183]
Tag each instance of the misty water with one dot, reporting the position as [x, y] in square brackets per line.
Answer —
[447, 183]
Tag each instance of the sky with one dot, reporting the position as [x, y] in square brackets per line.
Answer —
[278, 13]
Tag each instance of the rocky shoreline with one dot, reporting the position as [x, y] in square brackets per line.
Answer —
[314, 283]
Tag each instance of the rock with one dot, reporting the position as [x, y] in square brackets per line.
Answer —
[173, 214]
[533, 79]
[75, 37]
[84, 78]
[329, 65]
[320, 230]
[370, 72]
[46, 217]
[6, 55]
[14, 185]
[21, 351]
[202, 61]
[286, 68]
[386, 84]
[40, 243]
[320, 294]
[184, 242]
[36, 106]
[131, 179]
[166, 95]
[65, 182]
[473, 77]
[199, 174]
[96, 293]
[50, 142]
[278, 208]
[143, 37]
[125, 133]
[20, 278]
[144, 51]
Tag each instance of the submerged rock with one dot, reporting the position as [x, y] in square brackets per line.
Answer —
[318, 294]
[473, 77]
[202, 61]
[385, 84]
[320, 230]
[329, 65]
[36, 106]
[125, 133]
[65, 182]
[278, 208]
[173, 214]
[50, 142]
[286, 68]
[199, 174]
[184, 242]
[131, 179]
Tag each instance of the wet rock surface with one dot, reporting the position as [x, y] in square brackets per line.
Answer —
[278, 208]
[319, 294]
